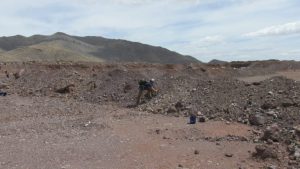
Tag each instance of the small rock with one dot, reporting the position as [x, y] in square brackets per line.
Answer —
[202, 119]
[297, 153]
[287, 103]
[87, 124]
[17, 75]
[66, 89]
[271, 113]
[267, 106]
[199, 113]
[127, 88]
[297, 130]
[246, 121]
[149, 109]
[229, 155]
[179, 165]
[240, 120]
[157, 131]
[269, 141]
[196, 152]
[272, 167]
[292, 162]
[4, 86]
[256, 83]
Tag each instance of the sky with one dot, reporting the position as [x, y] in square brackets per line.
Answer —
[206, 29]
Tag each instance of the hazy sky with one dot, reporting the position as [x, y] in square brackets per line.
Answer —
[205, 29]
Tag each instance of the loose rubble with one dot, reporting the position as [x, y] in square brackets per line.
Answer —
[270, 106]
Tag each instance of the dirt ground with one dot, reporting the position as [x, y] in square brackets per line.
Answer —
[95, 126]
[59, 133]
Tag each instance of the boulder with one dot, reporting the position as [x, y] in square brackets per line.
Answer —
[257, 119]
[172, 110]
[264, 152]
[271, 133]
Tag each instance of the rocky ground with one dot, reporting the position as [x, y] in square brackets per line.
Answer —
[82, 116]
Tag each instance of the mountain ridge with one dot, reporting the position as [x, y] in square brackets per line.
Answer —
[61, 46]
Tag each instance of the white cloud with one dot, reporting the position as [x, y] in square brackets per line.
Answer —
[212, 39]
[285, 29]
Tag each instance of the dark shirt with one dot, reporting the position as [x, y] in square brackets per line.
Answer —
[147, 86]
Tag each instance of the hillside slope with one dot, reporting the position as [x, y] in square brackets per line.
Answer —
[63, 47]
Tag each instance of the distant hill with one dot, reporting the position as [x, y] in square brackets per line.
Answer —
[217, 62]
[63, 47]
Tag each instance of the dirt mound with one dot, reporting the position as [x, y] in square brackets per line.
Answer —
[221, 98]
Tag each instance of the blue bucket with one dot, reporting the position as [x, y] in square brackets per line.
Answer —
[193, 119]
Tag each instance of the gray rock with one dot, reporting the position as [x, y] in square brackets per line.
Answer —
[149, 109]
[271, 133]
[297, 153]
[240, 120]
[280, 91]
[271, 113]
[297, 130]
[272, 167]
[171, 110]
